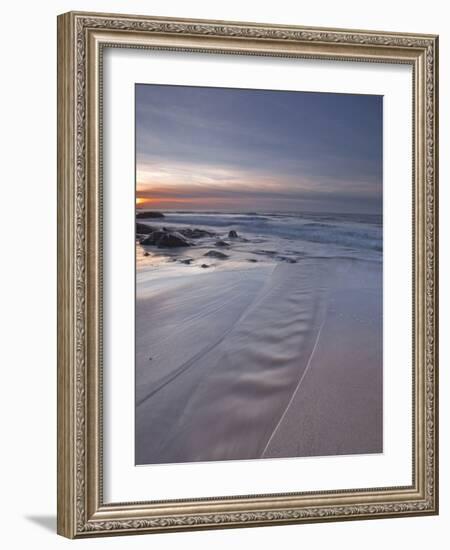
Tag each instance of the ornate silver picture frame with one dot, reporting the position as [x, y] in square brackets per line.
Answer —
[82, 41]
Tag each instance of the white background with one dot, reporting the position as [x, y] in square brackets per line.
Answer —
[28, 251]
[123, 482]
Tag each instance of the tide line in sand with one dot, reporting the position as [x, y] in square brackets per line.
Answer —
[224, 407]
[295, 391]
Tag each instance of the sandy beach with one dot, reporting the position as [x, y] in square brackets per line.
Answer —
[263, 359]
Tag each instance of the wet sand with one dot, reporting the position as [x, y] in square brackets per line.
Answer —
[269, 361]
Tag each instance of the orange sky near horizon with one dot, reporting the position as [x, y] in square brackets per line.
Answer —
[145, 201]
[170, 202]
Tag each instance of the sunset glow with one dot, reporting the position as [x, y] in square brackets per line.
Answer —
[142, 202]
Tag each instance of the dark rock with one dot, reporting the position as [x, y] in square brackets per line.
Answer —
[204, 266]
[144, 229]
[216, 254]
[253, 260]
[171, 240]
[187, 261]
[149, 214]
[149, 240]
[195, 233]
[221, 243]
[146, 254]
[164, 239]
[233, 234]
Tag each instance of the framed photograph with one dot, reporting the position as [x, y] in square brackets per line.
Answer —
[247, 276]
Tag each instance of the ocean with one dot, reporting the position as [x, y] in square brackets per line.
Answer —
[274, 236]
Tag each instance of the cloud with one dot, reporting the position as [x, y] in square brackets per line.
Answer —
[213, 144]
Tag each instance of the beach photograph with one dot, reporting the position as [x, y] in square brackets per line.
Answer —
[259, 274]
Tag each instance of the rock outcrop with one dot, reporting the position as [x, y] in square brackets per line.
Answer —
[144, 229]
[165, 239]
[216, 254]
[149, 214]
[196, 233]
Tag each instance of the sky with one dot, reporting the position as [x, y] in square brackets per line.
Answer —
[227, 149]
